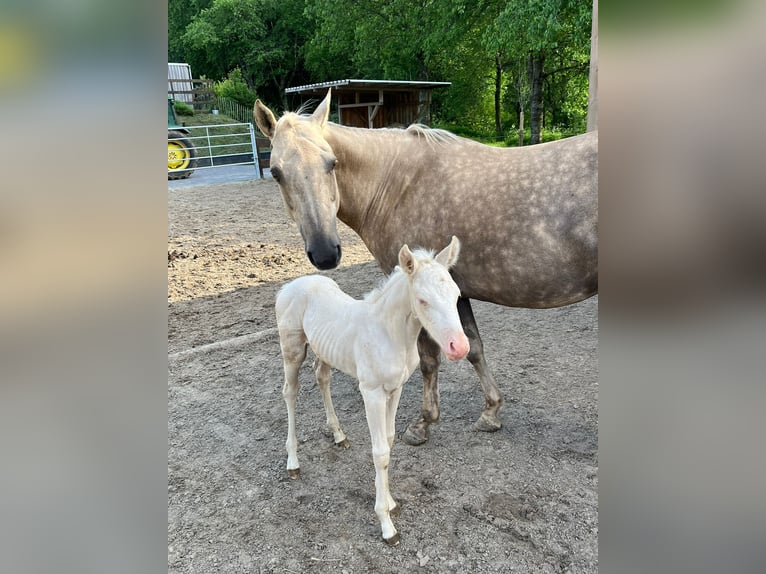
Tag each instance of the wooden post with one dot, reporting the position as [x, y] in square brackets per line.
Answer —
[521, 127]
[593, 77]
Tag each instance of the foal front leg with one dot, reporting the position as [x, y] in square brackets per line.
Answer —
[391, 407]
[375, 403]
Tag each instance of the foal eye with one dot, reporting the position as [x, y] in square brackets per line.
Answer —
[276, 174]
[331, 165]
[422, 302]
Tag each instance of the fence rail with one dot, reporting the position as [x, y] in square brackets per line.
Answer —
[197, 93]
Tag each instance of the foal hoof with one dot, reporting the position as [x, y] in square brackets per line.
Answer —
[394, 540]
[294, 473]
[487, 423]
[344, 443]
[416, 434]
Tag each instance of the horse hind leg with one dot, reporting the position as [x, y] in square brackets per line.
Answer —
[488, 421]
[323, 374]
[293, 345]
[430, 355]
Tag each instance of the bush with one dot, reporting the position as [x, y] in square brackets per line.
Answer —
[235, 88]
[547, 135]
[183, 109]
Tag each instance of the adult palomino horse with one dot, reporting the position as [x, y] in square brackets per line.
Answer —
[374, 341]
[527, 216]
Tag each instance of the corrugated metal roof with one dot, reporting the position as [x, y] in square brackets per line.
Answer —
[366, 84]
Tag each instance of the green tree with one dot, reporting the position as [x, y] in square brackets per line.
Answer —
[180, 14]
[503, 57]
[224, 36]
[374, 39]
[264, 39]
[552, 35]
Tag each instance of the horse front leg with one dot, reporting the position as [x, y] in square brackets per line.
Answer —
[375, 406]
[323, 374]
[488, 421]
[293, 345]
[430, 356]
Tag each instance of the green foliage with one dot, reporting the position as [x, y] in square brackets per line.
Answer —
[183, 109]
[511, 137]
[235, 88]
[476, 45]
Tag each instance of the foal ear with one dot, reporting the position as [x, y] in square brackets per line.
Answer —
[264, 118]
[448, 256]
[322, 112]
[407, 260]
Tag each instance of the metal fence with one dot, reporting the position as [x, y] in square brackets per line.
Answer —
[235, 110]
[224, 145]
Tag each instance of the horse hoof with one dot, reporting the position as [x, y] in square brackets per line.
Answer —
[488, 424]
[344, 443]
[395, 511]
[415, 435]
[294, 473]
[394, 540]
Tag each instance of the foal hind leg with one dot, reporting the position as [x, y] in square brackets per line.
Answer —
[488, 421]
[293, 345]
[430, 356]
[324, 376]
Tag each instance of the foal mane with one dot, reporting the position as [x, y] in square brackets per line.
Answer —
[421, 254]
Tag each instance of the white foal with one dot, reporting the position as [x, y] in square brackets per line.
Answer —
[373, 340]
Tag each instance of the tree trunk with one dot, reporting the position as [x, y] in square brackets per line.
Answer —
[422, 68]
[593, 77]
[498, 93]
[535, 73]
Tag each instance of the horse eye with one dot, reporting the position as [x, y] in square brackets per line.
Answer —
[423, 302]
[276, 174]
[331, 165]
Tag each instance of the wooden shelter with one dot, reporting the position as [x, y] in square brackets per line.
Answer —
[376, 103]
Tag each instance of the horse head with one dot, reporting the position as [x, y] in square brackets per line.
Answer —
[433, 297]
[303, 164]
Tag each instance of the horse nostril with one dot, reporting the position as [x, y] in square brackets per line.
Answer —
[311, 258]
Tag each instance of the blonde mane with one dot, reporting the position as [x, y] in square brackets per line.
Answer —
[432, 135]
[421, 254]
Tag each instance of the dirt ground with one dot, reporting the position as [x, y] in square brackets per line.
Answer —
[523, 499]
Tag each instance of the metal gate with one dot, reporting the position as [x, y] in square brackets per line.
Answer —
[223, 145]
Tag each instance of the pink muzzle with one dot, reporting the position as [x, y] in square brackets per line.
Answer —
[457, 347]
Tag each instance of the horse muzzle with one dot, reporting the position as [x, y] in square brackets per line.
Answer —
[457, 347]
[324, 256]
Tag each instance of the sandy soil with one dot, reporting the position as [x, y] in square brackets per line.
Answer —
[523, 499]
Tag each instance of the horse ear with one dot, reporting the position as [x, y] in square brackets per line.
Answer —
[264, 118]
[448, 256]
[407, 260]
[322, 112]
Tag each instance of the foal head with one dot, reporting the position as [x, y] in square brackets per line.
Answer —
[433, 296]
[303, 164]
